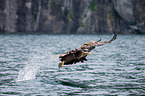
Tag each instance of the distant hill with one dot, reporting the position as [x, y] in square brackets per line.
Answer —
[72, 16]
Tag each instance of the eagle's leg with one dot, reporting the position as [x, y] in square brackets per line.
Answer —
[61, 64]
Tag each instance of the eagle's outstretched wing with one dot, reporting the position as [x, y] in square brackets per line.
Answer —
[92, 44]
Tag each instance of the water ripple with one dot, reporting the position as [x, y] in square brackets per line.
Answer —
[29, 66]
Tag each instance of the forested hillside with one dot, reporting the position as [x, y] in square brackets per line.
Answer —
[72, 16]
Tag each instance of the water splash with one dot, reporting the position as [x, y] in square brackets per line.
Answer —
[28, 73]
[32, 67]
[39, 59]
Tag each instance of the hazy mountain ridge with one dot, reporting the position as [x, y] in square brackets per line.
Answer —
[72, 16]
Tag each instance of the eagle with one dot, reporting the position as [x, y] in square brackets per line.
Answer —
[79, 55]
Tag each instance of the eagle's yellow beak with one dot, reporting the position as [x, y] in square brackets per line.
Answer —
[61, 64]
[90, 53]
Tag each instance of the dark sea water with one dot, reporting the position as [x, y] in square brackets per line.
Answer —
[29, 66]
